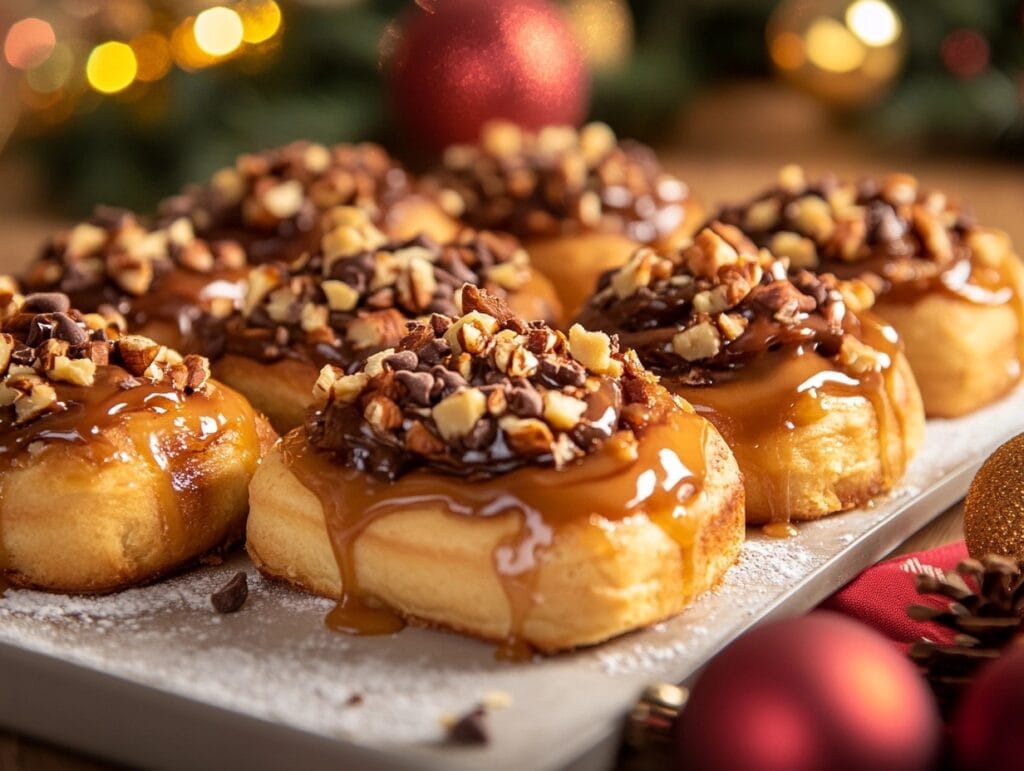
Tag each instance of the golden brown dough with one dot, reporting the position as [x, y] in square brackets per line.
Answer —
[954, 290]
[580, 201]
[812, 393]
[342, 513]
[119, 461]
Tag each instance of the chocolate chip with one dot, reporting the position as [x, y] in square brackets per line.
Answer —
[231, 597]
[402, 360]
[418, 384]
[46, 302]
[40, 329]
[562, 372]
[525, 402]
[354, 700]
[448, 380]
[471, 728]
[482, 434]
[24, 355]
[68, 330]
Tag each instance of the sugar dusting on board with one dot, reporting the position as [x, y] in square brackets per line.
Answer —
[274, 659]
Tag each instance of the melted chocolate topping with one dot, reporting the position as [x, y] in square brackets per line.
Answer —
[481, 395]
[563, 181]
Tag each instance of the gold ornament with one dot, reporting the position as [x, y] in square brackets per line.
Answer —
[603, 30]
[994, 509]
[846, 52]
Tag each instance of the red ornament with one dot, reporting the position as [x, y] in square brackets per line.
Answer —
[470, 61]
[817, 693]
[988, 730]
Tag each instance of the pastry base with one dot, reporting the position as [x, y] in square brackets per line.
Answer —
[281, 390]
[831, 459]
[438, 569]
[964, 355]
[69, 524]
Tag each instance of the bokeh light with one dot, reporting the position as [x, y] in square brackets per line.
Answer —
[153, 54]
[603, 30]
[52, 74]
[832, 47]
[187, 53]
[218, 31]
[874, 22]
[965, 52]
[29, 43]
[111, 67]
[261, 20]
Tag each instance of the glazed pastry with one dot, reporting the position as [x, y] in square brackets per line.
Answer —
[812, 393]
[119, 459]
[158, 278]
[581, 202]
[951, 288]
[272, 202]
[492, 476]
[350, 299]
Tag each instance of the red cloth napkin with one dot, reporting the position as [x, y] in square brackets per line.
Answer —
[880, 595]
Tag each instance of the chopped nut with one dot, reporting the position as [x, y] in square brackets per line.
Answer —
[712, 301]
[497, 402]
[701, 341]
[813, 217]
[85, 239]
[636, 273]
[138, 353]
[180, 232]
[340, 296]
[529, 436]
[792, 178]
[481, 330]
[456, 415]
[76, 371]
[416, 284]
[708, 253]
[521, 363]
[562, 411]
[372, 330]
[382, 413]
[802, 252]
[314, 317]
[596, 141]
[39, 399]
[594, 351]
[501, 138]
[6, 349]
[261, 280]
[284, 200]
[732, 325]
[762, 215]
[899, 189]
[857, 295]
[934, 234]
[375, 364]
[420, 440]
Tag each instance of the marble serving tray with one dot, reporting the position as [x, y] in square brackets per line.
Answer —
[153, 677]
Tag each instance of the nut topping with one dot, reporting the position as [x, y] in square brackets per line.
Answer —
[482, 394]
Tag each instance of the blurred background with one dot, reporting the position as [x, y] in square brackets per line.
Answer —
[123, 101]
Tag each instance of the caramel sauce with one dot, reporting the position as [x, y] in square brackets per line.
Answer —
[177, 298]
[110, 423]
[656, 478]
[779, 530]
[786, 389]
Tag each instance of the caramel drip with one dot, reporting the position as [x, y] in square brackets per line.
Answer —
[657, 478]
[119, 420]
[784, 389]
[177, 298]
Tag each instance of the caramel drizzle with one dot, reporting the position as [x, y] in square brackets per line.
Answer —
[656, 478]
[784, 389]
[111, 421]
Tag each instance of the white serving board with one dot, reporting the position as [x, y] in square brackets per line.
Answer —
[153, 677]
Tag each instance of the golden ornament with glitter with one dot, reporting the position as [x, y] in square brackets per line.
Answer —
[994, 510]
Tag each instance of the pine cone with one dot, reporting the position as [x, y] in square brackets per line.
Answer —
[986, 612]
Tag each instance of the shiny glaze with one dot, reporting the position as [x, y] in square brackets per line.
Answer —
[656, 477]
[782, 390]
[110, 422]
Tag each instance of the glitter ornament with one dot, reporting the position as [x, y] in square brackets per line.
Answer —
[471, 61]
[816, 693]
[994, 509]
[988, 732]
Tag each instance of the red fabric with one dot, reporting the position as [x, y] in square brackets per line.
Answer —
[880, 595]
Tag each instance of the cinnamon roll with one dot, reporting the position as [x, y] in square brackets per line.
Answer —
[349, 299]
[952, 288]
[492, 476]
[120, 460]
[812, 392]
[581, 202]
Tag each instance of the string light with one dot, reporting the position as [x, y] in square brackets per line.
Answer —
[29, 43]
[187, 53]
[111, 67]
[218, 31]
[873, 22]
[260, 20]
[153, 54]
